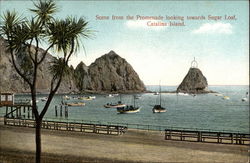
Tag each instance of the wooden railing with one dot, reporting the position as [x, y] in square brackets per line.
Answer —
[210, 137]
[68, 126]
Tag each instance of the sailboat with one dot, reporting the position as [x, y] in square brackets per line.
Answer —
[128, 109]
[159, 108]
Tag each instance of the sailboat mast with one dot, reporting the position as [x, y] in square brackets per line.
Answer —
[134, 100]
[160, 92]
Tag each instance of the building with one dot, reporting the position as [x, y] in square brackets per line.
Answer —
[6, 99]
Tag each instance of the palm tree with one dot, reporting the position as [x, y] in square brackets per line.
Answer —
[24, 38]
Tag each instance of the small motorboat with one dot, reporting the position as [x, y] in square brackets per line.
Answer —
[66, 97]
[226, 98]
[182, 94]
[87, 98]
[128, 109]
[43, 99]
[156, 93]
[117, 105]
[76, 104]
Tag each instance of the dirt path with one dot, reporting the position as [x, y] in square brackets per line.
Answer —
[134, 146]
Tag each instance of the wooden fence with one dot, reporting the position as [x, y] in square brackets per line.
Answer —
[210, 137]
[68, 126]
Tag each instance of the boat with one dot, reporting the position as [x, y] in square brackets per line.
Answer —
[128, 109]
[137, 96]
[44, 99]
[245, 98]
[76, 104]
[156, 93]
[117, 105]
[183, 94]
[87, 98]
[226, 98]
[66, 97]
[159, 108]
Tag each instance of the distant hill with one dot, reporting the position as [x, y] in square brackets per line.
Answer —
[109, 73]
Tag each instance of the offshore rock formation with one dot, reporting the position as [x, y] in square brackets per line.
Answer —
[194, 82]
[108, 73]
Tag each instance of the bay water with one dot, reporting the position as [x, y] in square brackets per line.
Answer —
[201, 112]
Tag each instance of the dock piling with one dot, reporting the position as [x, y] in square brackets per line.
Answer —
[56, 110]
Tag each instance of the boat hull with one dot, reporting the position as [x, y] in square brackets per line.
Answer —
[128, 111]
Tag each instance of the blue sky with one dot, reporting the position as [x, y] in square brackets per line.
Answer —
[164, 53]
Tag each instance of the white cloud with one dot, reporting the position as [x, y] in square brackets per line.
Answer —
[146, 24]
[215, 28]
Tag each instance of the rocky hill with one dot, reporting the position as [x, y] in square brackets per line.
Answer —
[108, 73]
[113, 73]
[194, 82]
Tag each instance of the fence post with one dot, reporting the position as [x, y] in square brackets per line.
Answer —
[28, 112]
[61, 111]
[56, 110]
[11, 109]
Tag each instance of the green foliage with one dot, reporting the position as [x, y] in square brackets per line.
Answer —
[44, 11]
[65, 33]
[59, 68]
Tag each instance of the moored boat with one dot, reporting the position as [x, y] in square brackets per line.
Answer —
[76, 104]
[128, 109]
[158, 108]
[117, 105]
[66, 97]
[226, 97]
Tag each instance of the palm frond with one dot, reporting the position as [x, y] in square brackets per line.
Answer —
[58, 67]
[44, 10]
[65, 34]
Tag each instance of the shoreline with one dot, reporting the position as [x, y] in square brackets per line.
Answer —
[133, 146]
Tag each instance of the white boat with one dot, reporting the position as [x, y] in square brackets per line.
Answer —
[128, 109]
[118, 105]
[76, 104]
[158, 108]
[226, 98]
[183, 94]
[110, 95]
[66, 97]
[86, 98]
[43, 99]
[245, 98]
[156, 93]
[115, 105]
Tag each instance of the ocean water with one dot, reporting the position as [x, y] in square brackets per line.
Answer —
[202, 112]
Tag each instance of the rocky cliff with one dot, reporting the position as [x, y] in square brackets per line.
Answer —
[11, 81]
[108, 73]
[113, 73]
[194, 82]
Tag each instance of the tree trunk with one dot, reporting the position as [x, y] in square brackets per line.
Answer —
[38, 141]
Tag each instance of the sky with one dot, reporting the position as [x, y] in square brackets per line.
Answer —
[164, 53]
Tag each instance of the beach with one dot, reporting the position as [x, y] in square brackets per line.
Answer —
[17, 145]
